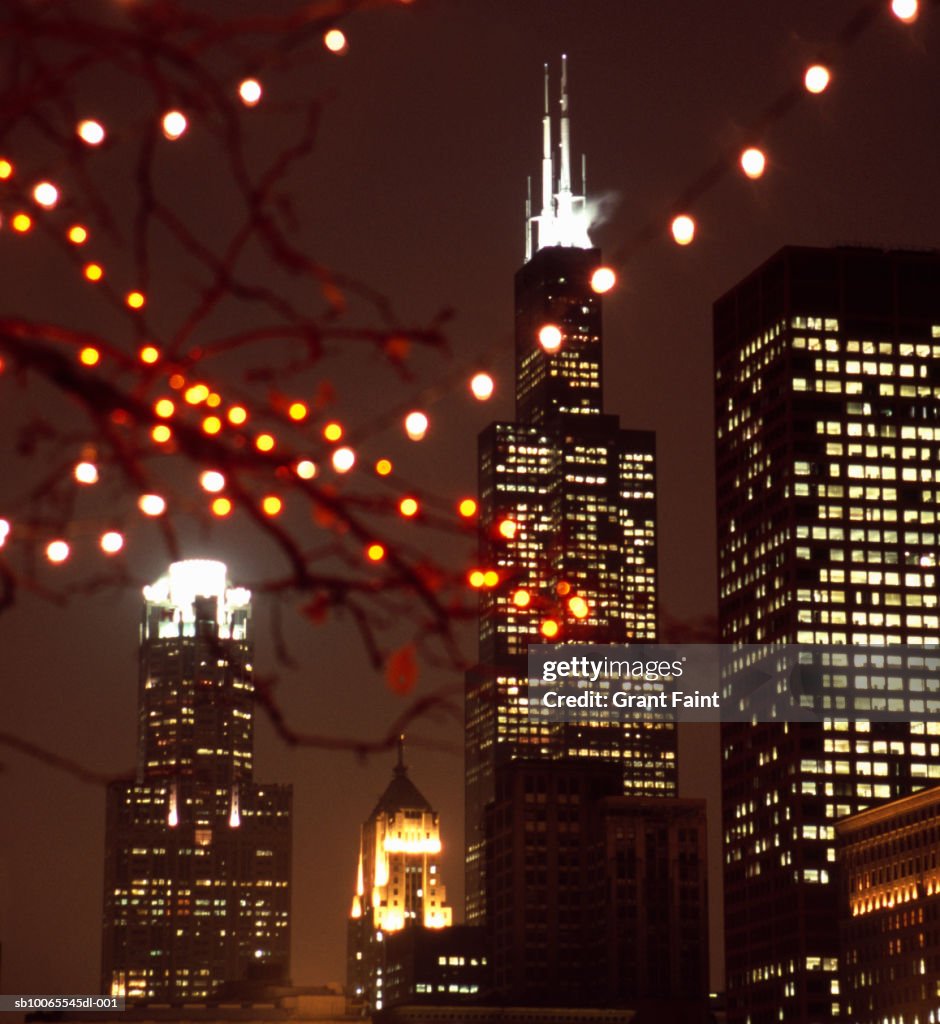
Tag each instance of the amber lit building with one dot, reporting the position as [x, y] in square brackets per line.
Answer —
[197, 854]
[828, 441]
[567, 521]
[398, 887]
[889, 860]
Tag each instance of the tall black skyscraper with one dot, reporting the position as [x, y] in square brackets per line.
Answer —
[567, 519]
[197, 855]
[828, 469]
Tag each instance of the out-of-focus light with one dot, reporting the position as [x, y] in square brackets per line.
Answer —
[57, 551]
[90, 132]
[221, 507]
[507, 528]
[335, 40]
[343, 460]
[6, 169]
[111, 542]
[549, 628]
[4, 531]
[476, 578]
[375, 552]
[522, 598]
[264, 443]
[816, 78]
[161, 433]
[21, 222]
[135, 300]
[333, 431]
[214, 400]
[383, 467]
[683, 229]
[211, 425]
[151, 504]
[297, 411]
[89, 356]
[174, 124]
[149, 354]
[212, 480]
[578, 607]
[550, 337]
[249, 91]
[408, 507]
[46, 194]
[753, 162]
[237, 415]
[416, 425]
[905, 10]
[164, 408]
[481, 386]
[78, 235]
[272, 505]
[603, 279]
[306, 469]
[176, 381]
[86, 473]
[490, 578]
[563, 588]
[93, 271]
[467, 508]
[196, 394]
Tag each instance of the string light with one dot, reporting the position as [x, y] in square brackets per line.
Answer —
[683, 229]
[375, 552]
[475, 579]
[507, 529]
[816, 78]
[135, 300]
[333, 431]
[753, 162]
[221, 507]
[905, 10]
[578, 607]
[196, 394]
[602, 280]
[549, 628]
[297, 411]
[211, 425]
[89, 356]
[237, 415]
[93, 271]
[522, 598]
[86, 473]
[149, 354]
[272, 505]
[21, 222]
[6, 170]
[174, 124]
[161, 433]
[249, 92]
[550, 337]
[78, 235]
[111, 542]
[490, 578]
[383, 467]
[306, 469]
[481, 386]
[212, 480]
[467, 508]
[264, 443]
[416, 425]
[5, 529]
[151, 504]
[335, 40]
[164, 408]
[343, 460]
[57, 551]
[408, 507]
[90, 132]
[46, 194]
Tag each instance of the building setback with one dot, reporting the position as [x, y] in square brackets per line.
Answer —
[827, 367]
[197, 854]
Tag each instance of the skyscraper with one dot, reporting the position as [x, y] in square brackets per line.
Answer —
[197, 855]
[828, 445]
[567, 518]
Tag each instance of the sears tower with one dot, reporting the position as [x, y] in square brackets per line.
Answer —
[567, 518]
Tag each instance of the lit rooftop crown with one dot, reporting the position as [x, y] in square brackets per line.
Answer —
[564, 219]
[177, 594]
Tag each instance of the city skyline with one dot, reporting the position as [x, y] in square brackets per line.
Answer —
[644, 144]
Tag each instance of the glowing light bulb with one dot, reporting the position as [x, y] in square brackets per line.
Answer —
[5, 529]
[490, 578]
[375, 552]
[335, 40]
[383, 467]
[481, 386]
[78, 235]
[46, 194]
[476, 578]
[550, 337]
[306, 469]
[196, 394]
[21, 222]
[111, 542]
[86, 473]
[602, 280]
[264, 443]
[343, 460]
[161, 433]
[683, 229]
[522, 598]
[221, 507]
[753, 162]
[249, 92]
[90, 132]
[149, 354]
[164, 408]
[135, 300]
[416, 425]
[816, 78]
[333, 431]
[905, 10]
[89, 356]
[151, 504]
[549, 628]
[467, 508]
[57, 551]
[93, 271]
[272, 505]
[408, 507]
[6, 169]
[297, 411]
[507, 529]
[237, 415]
[578, 607]
[174, 124]
[212, 480]
[211, 425]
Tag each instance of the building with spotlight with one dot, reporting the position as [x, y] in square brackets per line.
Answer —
[197, 854]
[398, 888]
[567, 521]
[827, 366]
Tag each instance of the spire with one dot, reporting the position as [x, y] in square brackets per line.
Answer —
[563, 219]
[400, 768]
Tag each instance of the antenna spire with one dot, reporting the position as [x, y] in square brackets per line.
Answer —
[400, 766]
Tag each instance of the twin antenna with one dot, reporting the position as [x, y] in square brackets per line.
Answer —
[564, 217]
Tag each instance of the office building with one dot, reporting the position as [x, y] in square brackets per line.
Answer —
[889, 861]
[827, 369]
[567, 521]
[398, 885]
[197, 854]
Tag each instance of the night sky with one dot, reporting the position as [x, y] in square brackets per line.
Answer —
[430, 127]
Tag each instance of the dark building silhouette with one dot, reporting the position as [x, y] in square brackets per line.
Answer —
[889, 860]
[827, 367]
[197, 854]
[567, 523]
[436, 965]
